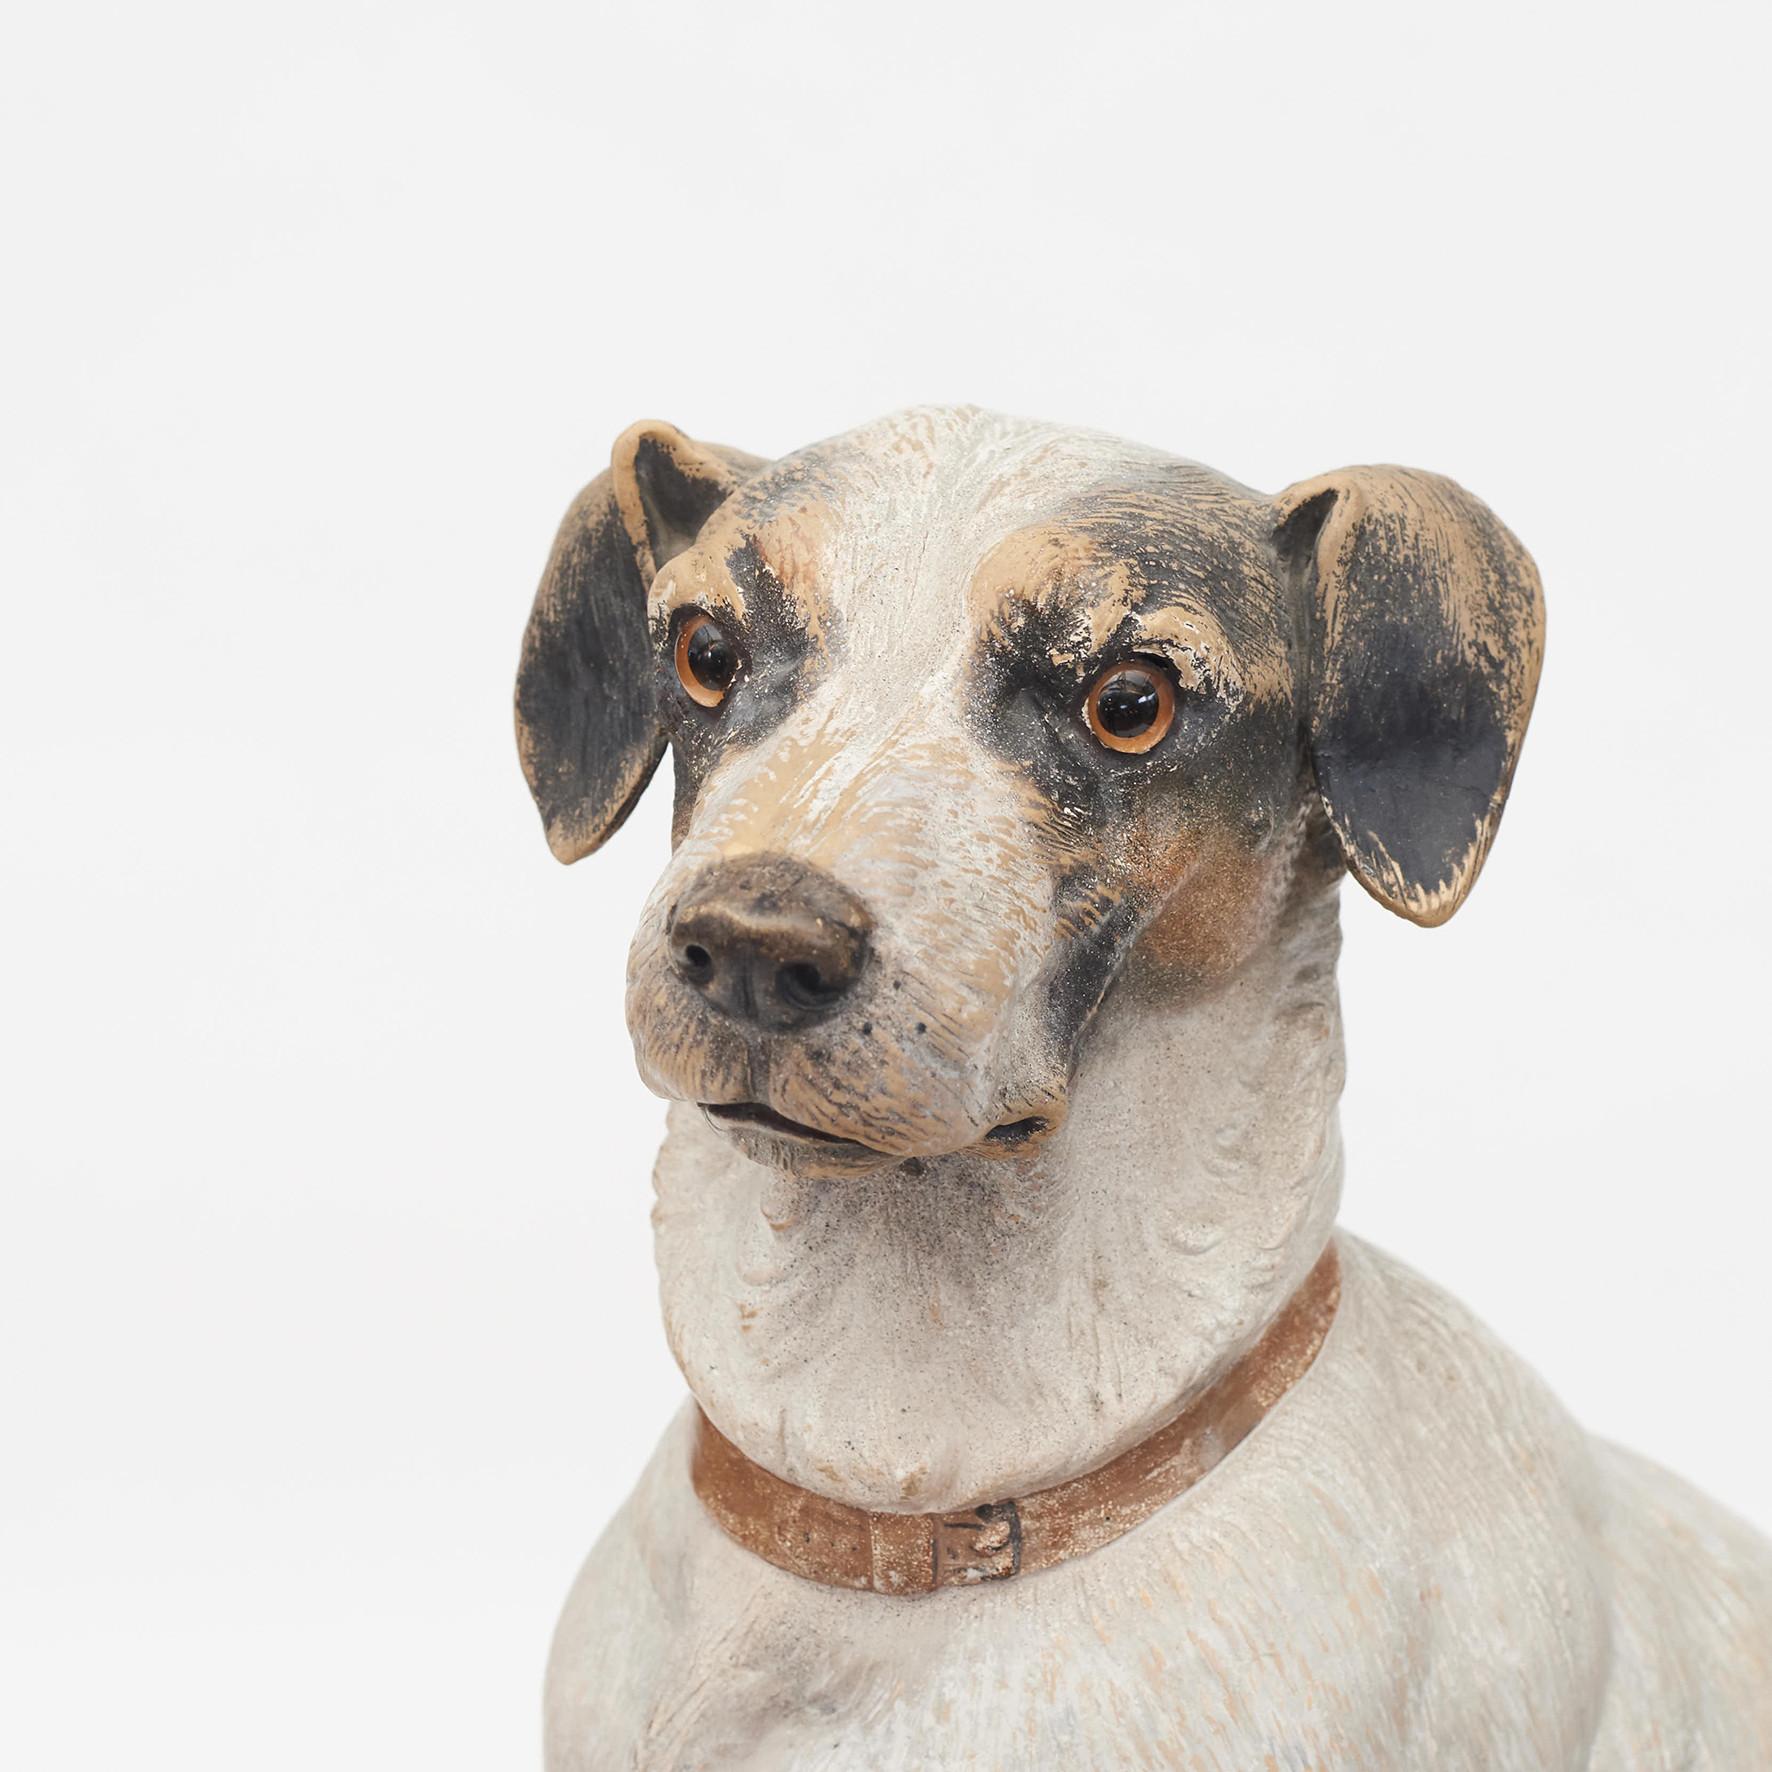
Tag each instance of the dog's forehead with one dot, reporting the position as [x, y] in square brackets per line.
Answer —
[915, 532]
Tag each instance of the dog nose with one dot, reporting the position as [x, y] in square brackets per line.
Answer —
[770, 940]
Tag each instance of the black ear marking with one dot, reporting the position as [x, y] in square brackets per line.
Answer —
[588, 729]
[1424, 631]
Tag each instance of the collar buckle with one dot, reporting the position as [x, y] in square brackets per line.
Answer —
[982, 1544]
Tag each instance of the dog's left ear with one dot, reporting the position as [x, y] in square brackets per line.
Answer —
[588, 729]
[1425, 625]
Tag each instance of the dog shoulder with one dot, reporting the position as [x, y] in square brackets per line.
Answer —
[1692, 1625]
[618, 1636]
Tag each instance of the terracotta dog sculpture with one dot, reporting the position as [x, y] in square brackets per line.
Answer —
[1041, 1417]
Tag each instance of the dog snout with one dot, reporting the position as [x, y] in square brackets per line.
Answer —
[770, 940]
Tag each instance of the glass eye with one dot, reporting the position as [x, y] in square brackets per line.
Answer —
[1130, 706]
[707, 659]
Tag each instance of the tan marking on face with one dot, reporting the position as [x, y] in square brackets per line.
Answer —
[1195, 646]
[1063, 567]
[794, 544]
[796, 547]
[1056, 567]
[694, 580]
[1217, 891]
[1218, 901]
[1046, 566]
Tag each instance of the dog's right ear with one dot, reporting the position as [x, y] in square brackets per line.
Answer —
[588, 728]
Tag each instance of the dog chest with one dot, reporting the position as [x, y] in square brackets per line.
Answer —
[1314, 1602]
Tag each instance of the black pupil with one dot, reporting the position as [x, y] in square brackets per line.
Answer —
[711, 656]
[1127, 704]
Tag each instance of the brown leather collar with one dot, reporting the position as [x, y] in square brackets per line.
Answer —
[828, 1541]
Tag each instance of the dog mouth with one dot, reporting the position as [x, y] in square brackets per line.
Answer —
[753, 1116]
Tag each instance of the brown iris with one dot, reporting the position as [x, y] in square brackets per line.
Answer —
[1131, 705]
[707, 659]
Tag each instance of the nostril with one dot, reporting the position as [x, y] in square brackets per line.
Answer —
[803, 986]
[1016, 1131]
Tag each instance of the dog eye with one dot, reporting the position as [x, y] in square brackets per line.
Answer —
[707, 659]
[1131, 705]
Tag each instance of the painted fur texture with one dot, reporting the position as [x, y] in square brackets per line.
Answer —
[993, 978]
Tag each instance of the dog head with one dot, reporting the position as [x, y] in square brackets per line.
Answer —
[971, 717]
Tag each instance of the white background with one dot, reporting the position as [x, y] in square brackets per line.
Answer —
[326, 1295]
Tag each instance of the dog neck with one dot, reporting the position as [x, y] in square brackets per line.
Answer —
[990, 1326]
